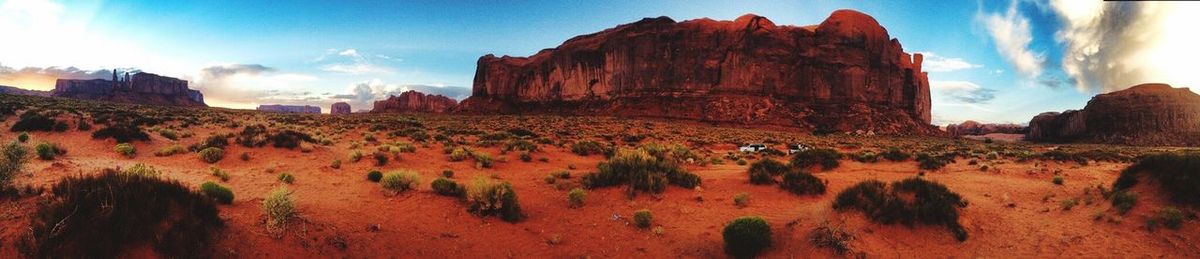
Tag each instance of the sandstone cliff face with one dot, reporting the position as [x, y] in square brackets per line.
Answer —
[140, 88]
[309, 109]
[415, 102]
[1147, 114]
[339, 108]
[845, 74]
[975, 128]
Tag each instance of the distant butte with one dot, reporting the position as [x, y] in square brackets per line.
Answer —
[1147, 114]
[844, 75]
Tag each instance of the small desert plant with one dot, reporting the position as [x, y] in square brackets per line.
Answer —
[15, 156]
[47, 150]
[374, 175]
[244, 156]
[1057, 180]
[825, 157]
[831, 236]
[33, 120]
[1178, 174]
[448, 173]
[894, 154]
[279, 207]
[219, 173]
[122, 133]
[909, 201]
[489, 198]
[746, 237]
[1170, 217]
[356, 155]
[141, 170]
[459, 154]
[289, 139]
[587, 147]
[1068, 203]
[641, 171]
[399, 181]
[741, 200]
[929, 161]
[765, 170]
[23, 137]
[866, 157]
[1123, 201]
[211, 154]
[575, 197]
[337, 163]
[219, 193]
[170, 150]
[525, 157]
[126, 149]
[446, 187]
[287, 178]
[642, 218]
[801, 182]
[483, 160]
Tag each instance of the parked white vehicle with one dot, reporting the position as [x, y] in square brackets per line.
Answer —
[792, 149]
[752, 148]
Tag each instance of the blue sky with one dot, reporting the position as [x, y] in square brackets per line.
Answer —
[245, 53]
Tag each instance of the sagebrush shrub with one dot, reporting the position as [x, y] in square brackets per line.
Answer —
[825, 157]
[1123, 201]
[126, 149]
[741, 199]
[219, 193]
[643, 218]
[170, 150]
[908, 201]
[381, 158]
[279, 207]
[374, 175]
[47, 150]
[446, 187]
[575, 197]
[801, 182]
[141, 170]
[587, 147]
[15, 156]
[765, 170]
[1178, 174]
[746, 237]
[399, 181]
[831, 236]
[33, 120]
[287, 178]
[641, 171]
[211, 154]
[894, 154]
[490, 198]
[121, 133]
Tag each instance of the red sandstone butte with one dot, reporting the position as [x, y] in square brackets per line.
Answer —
[415, 102]
[1146, 114]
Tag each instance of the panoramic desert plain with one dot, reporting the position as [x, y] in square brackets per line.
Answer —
[655, 138]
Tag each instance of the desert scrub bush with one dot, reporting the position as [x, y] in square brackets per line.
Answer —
[121, 133]
[446, 187]
[355, 156]
[801, 182]
[746, 237]
[588, 147]
[23, 137]
[219, 193]
[381, 158]
[520, 145]
[1177, 173]
[252, 136]
[825, 157]
[33, 120]
[211, 154]
[831, 236]
[399, 181]
[895, 154]
[866, 157]
[224, 176]
[80, 222]
[642, 218]
[47, 150]
[1057, 180]
[929, 161]
[525, 157]
[765, 170]
[374, 176]
[641, 171]
[459, 154]
[289, 139]
[286, 178]
[337, 163]
[279, 208]
[1168, 216]
[126, 149]
[908, 201]
[171, 150]
[216, 140]
[576, 197]
[141, 170]
[482, 160]
[741, 200]
[169, 134]
[491, 198]
[14, 160]
[1123, 201]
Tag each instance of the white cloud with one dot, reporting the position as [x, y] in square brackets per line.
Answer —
[356, 68]
[1011, 34]
[960, 92]
[935, 63]
[245, 86]
[349, 53]
[351, 61]
[364, 94]
[1112, 46]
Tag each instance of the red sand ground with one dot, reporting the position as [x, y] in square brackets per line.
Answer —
[339, 204]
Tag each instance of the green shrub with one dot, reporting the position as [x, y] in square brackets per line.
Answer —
[211, 154]
[642, 218]
[337, 163]
[802, 183]
[1178, 174]
[141, 170]
[742, 162]
[575, 197]
[1057, 180]
[1170, 217]
[47, 150]
[289, 139]
[374, 176]
[381, 158]
[126, 150]
[15, 156]
[866, 157]
[641, 171]
[219, 173]
[825, 157]
[894, 154]
[525, 157]
[122, 133]
[482, 159]
[520, 145]
[217, 140]
[219, 193]
[765, 170]
[489, 198]
[33, 120]
[356, 155]
[746, 237]
[446, 187]
[741, 199]
[909, 201]
[448, 173]
[1123, 201]
[399, 181]
[24, 137]
[104, 215]
[286, 178]
[929, 161]
[280, 208]
[587, 147]
[459, 154]
[170, 150]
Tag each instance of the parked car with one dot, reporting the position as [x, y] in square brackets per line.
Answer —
[752, 148]
[796, 148]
